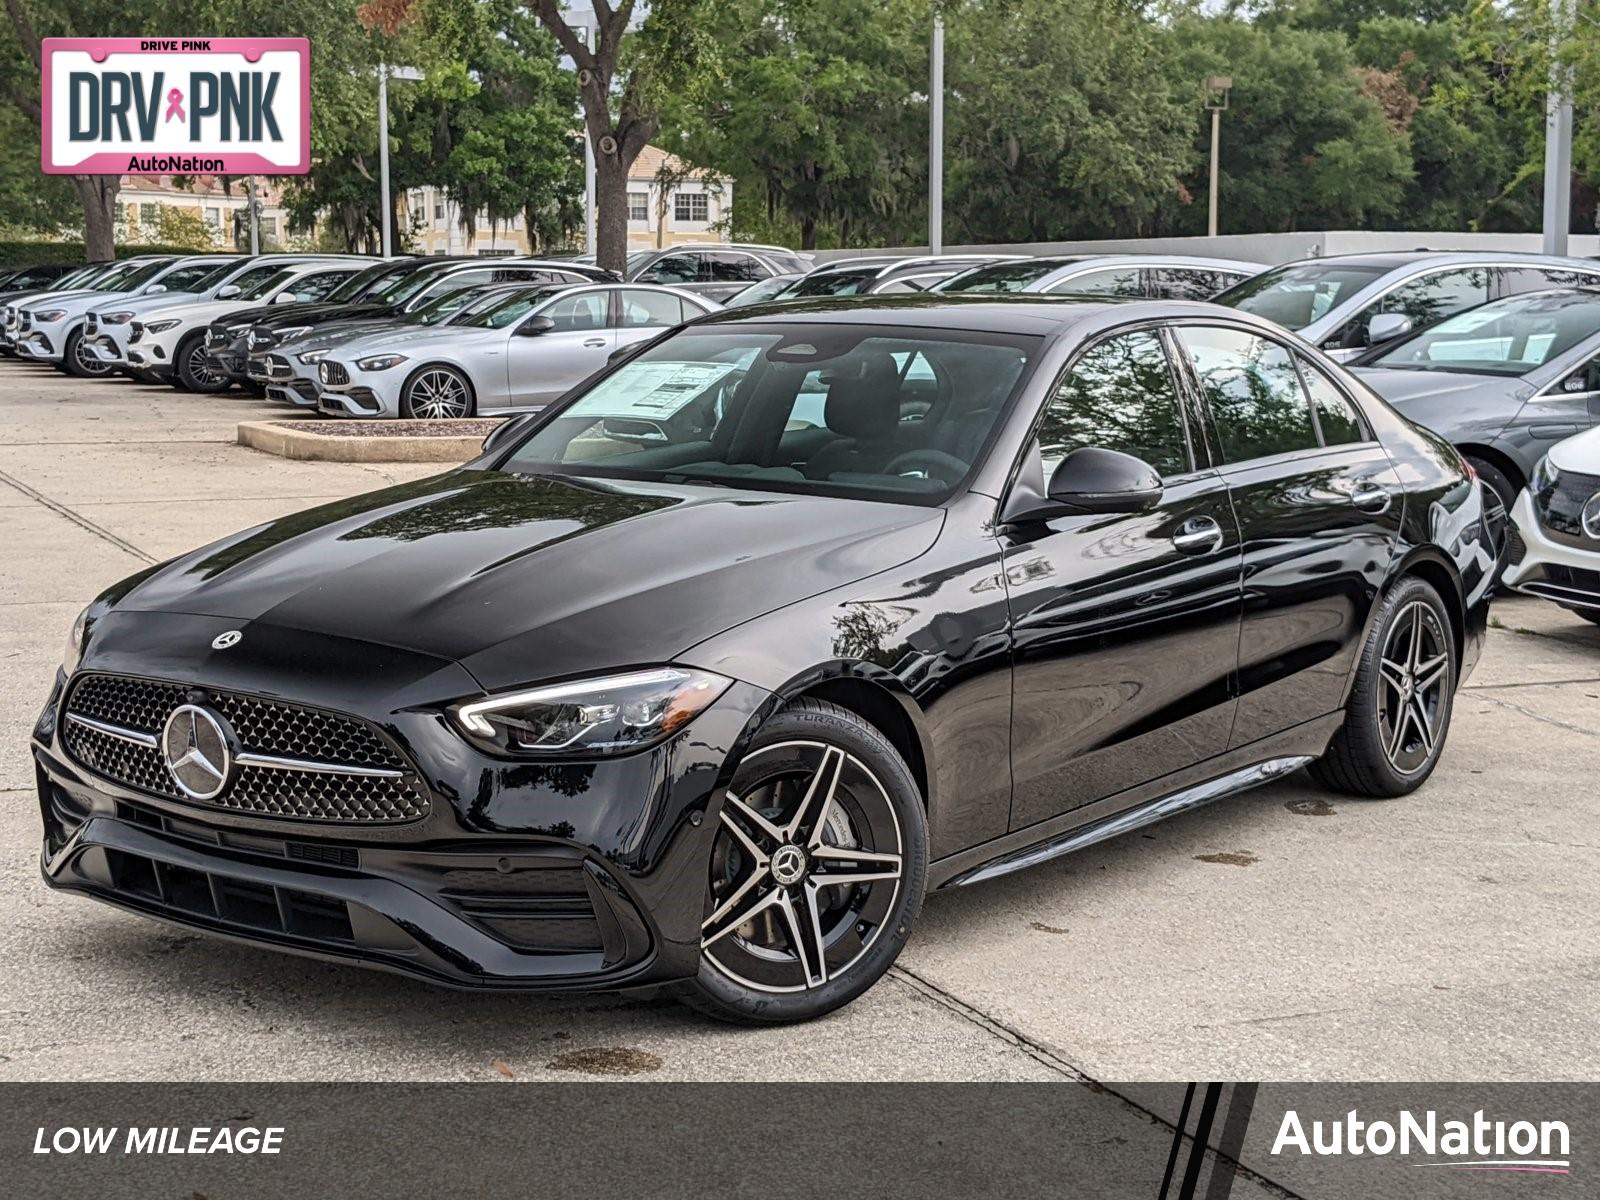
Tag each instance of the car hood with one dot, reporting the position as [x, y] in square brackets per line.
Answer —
[193, 310]
[523, 578]
[422, 338]
[336, 333]
[144, 304]
[28, 300]
[1579, 453]
[276, 316]
[1399, 386]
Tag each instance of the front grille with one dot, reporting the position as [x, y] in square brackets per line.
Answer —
[265, 729]
[216, 339]
[135, 332]
[278, 367]
[91, 324]
[256, 368]
[334, 373]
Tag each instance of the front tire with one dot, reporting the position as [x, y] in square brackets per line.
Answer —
[817, 870]
[436, 393]
[1400, 702]
[76, 360]
[194, 371]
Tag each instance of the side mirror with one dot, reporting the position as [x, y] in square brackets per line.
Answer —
[534, 326]
[286, 298]
[506, 430]
[228, 291]
[1094, 479]
[1385, 327]
[155, 289]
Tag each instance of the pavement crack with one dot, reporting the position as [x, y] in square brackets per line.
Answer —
[55, 506]
[1049, 1058]
[1495, 687]
[1528, 712]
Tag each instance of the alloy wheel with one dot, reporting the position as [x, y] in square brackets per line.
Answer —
[805, 869]
[1413, 672]
[438, 394]
[199, 366]
[88, 364]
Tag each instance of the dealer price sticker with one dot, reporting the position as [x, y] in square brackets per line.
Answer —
[176, 106]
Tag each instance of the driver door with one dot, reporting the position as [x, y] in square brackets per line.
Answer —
[546, 366]
[1125, 626]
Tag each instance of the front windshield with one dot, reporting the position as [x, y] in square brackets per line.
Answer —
[128, 276]
[262, 286]
[1504, 337]
[874, 412]
[357, 286]
[82, 277]
[636, 260]
[507, 310]
[246, 280]
[1300, 293]
[832, 283]
[442, 307]
[1001, 277]
[194, 277]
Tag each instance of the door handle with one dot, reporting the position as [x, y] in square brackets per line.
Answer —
[594, 341]
[1371, 497]
[1198, 535]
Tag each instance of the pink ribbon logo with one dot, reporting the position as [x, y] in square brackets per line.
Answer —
[175, 105]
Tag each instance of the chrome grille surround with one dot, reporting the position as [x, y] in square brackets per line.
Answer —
[294, 763]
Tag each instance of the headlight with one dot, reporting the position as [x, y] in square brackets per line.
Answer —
[116, 318]
[283, 335]
[73, 653]
[612, 715]
[380, 362]
[1545, 476]
[312, 357]
[161, 326]
[50, 315]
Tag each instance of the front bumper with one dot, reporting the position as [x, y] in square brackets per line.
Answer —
[1542, 566]
[580, 875]
[42, 343]
[369, 395]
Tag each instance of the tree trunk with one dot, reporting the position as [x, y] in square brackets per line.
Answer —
[611, 216]
[98, 194]
[808, 232]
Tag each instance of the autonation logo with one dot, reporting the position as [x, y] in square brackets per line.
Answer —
[1476, 1144]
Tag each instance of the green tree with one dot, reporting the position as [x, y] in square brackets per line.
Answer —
[1062, 123]
[1304, 146]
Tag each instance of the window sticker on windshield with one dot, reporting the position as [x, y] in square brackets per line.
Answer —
[650, 390]
[1467, 322]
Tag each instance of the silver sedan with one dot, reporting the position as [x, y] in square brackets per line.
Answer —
[521, 353]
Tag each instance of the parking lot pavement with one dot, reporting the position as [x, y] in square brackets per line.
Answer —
[1285, 933]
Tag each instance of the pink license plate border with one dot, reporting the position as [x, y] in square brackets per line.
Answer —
[233, 162]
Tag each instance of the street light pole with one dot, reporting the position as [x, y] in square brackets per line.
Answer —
[384, 209]
[936, 139]
[1217, 88]
[1558, 135]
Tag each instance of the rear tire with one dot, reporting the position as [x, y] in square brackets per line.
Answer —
[192, 373]
[1399, 710]
[816, 783]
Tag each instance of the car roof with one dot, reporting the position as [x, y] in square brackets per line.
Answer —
[1016, 312]
[1394, 260]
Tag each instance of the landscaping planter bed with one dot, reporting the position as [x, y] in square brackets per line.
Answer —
[368, 441]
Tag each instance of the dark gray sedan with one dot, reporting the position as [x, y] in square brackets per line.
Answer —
[1504, 381]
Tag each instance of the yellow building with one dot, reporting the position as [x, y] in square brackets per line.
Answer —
[142, 199]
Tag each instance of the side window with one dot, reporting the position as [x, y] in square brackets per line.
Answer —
[1428, 299]
[1121, 396]
[1189, 283]
[1257, 403]
[1515, 280]
[573, 314]
[1112, 281]
[641, 308]
[1337, 417]
[734, 268]
[910, 283]
[674, 268]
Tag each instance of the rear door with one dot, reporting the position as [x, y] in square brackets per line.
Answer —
[545, 366]
[1319, 506]
[1126, 626]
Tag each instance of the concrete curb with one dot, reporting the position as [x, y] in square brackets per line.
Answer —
[272, 438]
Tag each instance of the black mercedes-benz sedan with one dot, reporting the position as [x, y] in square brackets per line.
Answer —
[703, 677]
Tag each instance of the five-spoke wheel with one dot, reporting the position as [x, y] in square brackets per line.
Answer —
[1400, 700]
[816, 872]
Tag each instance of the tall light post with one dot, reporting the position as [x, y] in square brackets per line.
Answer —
[1558, 134]
[1217, 88]
[386, 207]
[936, 138]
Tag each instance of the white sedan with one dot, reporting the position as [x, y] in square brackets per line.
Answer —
[521, 353]
[1555, 544]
